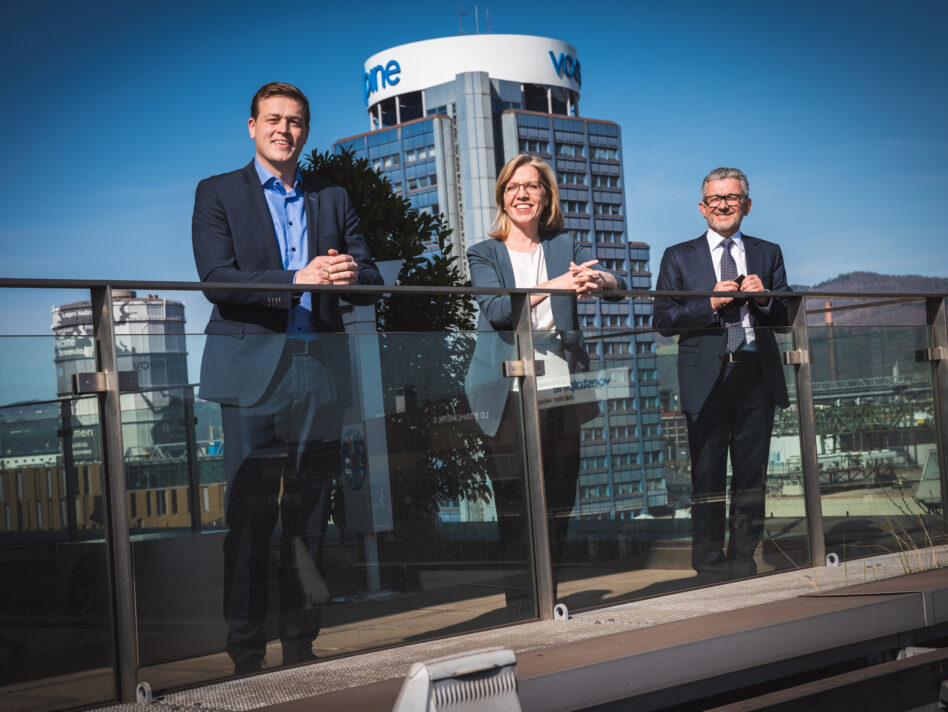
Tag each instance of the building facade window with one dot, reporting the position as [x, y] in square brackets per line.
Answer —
[570, 178]
[422, 182]
[416, 154]
[569, 149]
[608, 209]
[386, 161]
[533, 145]
[610, 237]
[601, 181]
[161, 502]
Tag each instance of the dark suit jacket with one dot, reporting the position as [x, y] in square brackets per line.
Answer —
[234, 241]
[702, 340]
[490, 266]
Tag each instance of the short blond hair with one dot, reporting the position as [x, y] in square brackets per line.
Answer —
[551, 219]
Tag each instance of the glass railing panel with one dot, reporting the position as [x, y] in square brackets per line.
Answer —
[57, 637]
[425, 532]
[876, 441]
[631, 531]
[786, 543]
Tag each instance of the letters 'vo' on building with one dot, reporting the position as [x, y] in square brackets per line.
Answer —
[444, 116]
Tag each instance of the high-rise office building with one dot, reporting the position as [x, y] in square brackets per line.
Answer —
[444, 116]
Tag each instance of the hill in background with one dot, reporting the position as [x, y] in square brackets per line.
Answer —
[906, 314]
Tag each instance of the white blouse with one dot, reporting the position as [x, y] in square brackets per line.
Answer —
[529, 270]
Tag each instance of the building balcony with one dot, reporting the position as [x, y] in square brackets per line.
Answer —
[114, 496]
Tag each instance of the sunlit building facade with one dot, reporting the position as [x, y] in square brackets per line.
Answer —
[444, 116]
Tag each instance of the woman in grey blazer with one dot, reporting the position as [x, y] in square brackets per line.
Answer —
[529, 249]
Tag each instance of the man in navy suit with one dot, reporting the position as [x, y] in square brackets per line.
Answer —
[278, 366]
[729, 370]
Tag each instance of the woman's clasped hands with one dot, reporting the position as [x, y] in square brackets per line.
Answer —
[582, 279]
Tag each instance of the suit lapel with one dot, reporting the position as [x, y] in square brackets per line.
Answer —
[311, 199]
[754, 258]
[261, 211]
[557, 253]
[502, 260]
[701, 265]
[557, 260]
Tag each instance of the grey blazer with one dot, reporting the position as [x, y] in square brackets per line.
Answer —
[490, 266]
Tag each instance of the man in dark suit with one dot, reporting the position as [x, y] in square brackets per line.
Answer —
[729, 371]
[278, 366]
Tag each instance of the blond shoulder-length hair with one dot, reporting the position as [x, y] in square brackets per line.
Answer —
[551, 219]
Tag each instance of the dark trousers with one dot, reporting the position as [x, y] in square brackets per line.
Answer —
[559, 431]
[737, 418]
[280, 457]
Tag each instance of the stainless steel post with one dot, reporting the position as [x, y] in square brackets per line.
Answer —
[807, 422]
[935, 312]
[533, 451]
[69, 465]
[194, 467]
[116, 498]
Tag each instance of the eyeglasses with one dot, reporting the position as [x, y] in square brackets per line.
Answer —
[531, 188]
[713, 201]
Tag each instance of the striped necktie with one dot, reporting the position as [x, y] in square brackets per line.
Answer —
[732, 312]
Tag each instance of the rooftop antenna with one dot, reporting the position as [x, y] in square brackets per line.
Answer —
[460, 15]
[477, 27]
[487, 20]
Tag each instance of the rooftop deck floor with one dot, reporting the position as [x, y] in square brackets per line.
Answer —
[641, 647]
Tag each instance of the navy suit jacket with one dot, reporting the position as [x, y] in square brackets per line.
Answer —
[234, 241]
[490, 266]
[702, 338]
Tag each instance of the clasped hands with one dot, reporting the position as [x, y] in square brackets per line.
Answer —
[333, 268]
[750, 283]
[583, 279]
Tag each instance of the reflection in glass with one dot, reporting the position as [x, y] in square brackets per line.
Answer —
[56, 618]
[631, 530]
[876, 445]
[412, 547]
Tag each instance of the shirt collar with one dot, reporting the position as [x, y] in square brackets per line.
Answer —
[715, 240]
[266, 176]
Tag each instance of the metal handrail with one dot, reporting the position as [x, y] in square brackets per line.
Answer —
[36, 283]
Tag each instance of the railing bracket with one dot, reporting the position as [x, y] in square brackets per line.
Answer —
[797, 357]
[526, 367]
[99, 381]
[936, 353]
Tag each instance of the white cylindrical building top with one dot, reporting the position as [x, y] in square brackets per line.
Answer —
[516, 58]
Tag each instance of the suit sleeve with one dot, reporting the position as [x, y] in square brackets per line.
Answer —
[777, 314]
[484, 273]
[216, 258]
[670, 314]
[358, 249]
[581, 254]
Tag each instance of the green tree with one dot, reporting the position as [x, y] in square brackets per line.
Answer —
[435, 454]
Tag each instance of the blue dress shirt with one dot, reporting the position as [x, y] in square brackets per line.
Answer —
[288, 212]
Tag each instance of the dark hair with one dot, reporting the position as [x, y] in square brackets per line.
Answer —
[279, 89]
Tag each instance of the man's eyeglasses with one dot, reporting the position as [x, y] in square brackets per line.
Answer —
[713, 201]
[531, 188]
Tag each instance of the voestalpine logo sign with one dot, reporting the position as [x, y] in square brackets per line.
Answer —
[380, 77]
[566, 66]
[418, 66]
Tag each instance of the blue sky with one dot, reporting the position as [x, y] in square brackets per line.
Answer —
[836, 110]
